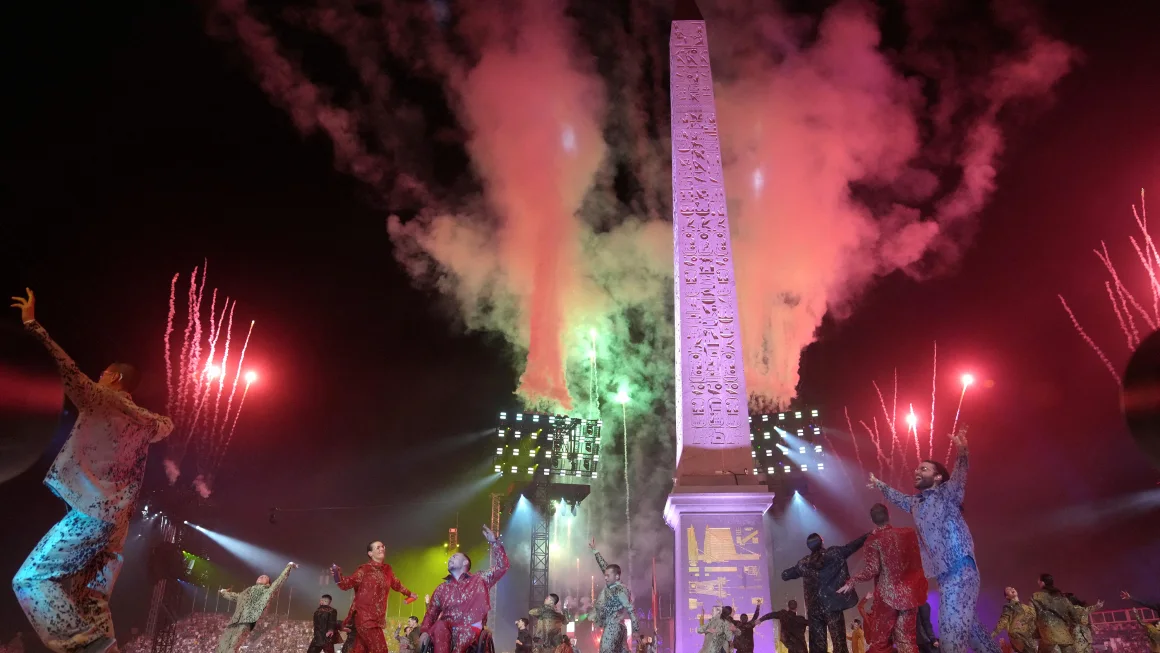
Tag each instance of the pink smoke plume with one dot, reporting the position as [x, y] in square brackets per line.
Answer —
[846, 159]
[533, 116]
[805, 125]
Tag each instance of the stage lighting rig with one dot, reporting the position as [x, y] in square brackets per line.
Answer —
[554, 446]
[787, 443]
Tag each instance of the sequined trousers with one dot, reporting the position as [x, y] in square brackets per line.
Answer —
[958, 621]
[65, 583]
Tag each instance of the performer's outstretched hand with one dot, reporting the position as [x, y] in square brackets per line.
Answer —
[410, 599]
[873, 484]
[1124, 595]
[960, 439]
[489, 535]
[27, 306]
[292, 565]
[592, 544]
[845, 589]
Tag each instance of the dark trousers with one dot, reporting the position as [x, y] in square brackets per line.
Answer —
[820, 623]
[315, 647]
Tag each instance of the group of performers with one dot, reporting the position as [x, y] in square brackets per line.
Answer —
[899, 561]
[65, 583]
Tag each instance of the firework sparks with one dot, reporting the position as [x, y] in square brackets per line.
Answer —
[196, 383]
[1126, 308]
[888, 453]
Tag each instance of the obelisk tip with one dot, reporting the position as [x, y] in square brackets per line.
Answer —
[687, 10]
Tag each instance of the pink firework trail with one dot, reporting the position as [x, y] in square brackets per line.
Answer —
[1125, 307]
[933, 389]
[196, 382]
[853, 438]
[967, 381]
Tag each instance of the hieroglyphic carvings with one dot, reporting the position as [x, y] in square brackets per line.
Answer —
[711, 398]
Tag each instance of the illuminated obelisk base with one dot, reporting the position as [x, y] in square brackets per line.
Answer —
[721, 557]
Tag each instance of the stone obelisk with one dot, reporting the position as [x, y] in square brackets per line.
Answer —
[717, 502]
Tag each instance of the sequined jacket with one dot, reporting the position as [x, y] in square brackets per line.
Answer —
[943, 535]
[100, 468]
[822, 573]
[894, 562]
[465, 601]
[372, 583]
[253, 600]
[613, 602]
[1053, 618]
[325, 621]
[549, 628]
[1017, 619]
[719, 633]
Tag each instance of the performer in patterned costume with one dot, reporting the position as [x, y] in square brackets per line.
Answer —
[894, 562]
[65, 583]
[611, 607]
[823, 572]
[1054, 617]
[252, 602]
[325, 626]
[549, 635]
[457, 614]
[743, 641]
[793, 627]
[1082, 632]
[1019, 622]
[948, 550]
[1152, 631]
[372, 583]
[719, 631]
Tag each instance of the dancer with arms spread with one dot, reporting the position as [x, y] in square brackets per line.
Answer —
[65, 583]
[948, 551]
[823, 572]
[894, 562]
[252, 602]
[372, 583]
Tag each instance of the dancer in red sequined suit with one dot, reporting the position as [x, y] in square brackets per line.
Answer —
[372, 583]
[894, 562]
[458, 609]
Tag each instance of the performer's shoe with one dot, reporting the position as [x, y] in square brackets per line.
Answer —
[102, 645]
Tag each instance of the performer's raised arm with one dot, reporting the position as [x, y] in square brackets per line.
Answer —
[501, 563]
[599, 558]
[904, 501]
[228, 595]
[958, 480]
[277, 584]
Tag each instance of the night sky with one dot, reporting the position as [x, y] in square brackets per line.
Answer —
[137, 146]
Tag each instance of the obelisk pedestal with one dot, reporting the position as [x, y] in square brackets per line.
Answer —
[717, 502]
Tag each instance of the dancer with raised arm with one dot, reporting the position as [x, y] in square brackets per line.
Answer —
[457, 613]
[948, 551]
[65, 583]
[613, 606]
[372, 583]
[823, 572]
[894, 562]
[252, 602]
[793, 627]
[719, 631]
[549, 634]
